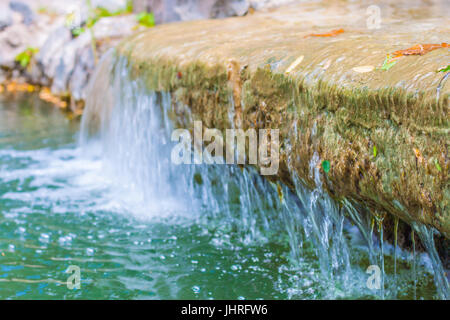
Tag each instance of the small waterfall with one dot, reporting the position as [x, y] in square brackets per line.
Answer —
[130, 129]
[426, 236]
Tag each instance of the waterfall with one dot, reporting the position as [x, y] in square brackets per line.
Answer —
[130, 128]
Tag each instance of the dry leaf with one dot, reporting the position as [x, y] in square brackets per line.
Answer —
[419, 49]
[332, 33]
[363, 69]
[294, 64]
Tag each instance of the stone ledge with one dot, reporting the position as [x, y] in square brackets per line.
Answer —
[277, 76]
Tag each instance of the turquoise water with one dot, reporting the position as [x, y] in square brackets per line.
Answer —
[62, 205]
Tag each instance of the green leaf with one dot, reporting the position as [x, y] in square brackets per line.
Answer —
[25, 56]
[374, 151]
[436, 163]
[77, 31]
[444, 69]
[146, 19]
[129, 6]
[326, 166]
[386, 64]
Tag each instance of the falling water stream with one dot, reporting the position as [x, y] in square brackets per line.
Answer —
[111, 202]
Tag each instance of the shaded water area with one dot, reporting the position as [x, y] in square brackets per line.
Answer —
[140, 227]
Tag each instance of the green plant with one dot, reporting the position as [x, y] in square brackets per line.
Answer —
[444, 69]
[77, 31]
[326, 166]
[25, 56]
[436, 163]
[42, 10]
[95, 14]
[387, 64]
[375, 152]
[146, 19]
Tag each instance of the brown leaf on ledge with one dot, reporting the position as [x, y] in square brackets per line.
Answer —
[332, 33]
[419, 49]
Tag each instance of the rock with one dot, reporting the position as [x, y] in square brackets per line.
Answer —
[83, 69]
[5, 17]
[65, 62]
[50, 53]
[24, 10]
[222, 9]
[268, 4]
[113, 27]
[110, 5]
[185, 10]
[3, 76]
[15, 40]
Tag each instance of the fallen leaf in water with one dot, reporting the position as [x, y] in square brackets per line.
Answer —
[294, 64]
[332, 33]
[363, 69]
[419, 49]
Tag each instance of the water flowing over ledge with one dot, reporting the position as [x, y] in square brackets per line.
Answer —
[133, 125]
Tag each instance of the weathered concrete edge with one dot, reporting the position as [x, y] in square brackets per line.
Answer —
[342, 125]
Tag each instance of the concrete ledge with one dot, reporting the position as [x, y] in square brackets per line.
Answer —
[325, 94]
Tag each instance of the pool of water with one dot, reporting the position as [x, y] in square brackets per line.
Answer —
[60, 206]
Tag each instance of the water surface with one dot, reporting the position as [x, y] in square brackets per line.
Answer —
[62, 205]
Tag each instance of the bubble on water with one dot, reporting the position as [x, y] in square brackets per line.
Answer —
[235, 267]
[194, 261]
[241, 298]
[89, 251]
[11, 248]
[66, 240]
[44, 237]
[196, 289]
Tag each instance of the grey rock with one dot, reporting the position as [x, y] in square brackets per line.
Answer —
[269, 4]
[65, 62]
[3, 76]
[114, 27]
[84, 67]
[24, 10]
[110, 5]
[5, 17]
[50, 54]
[222, 9]
[185, 10]
[13, 41]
